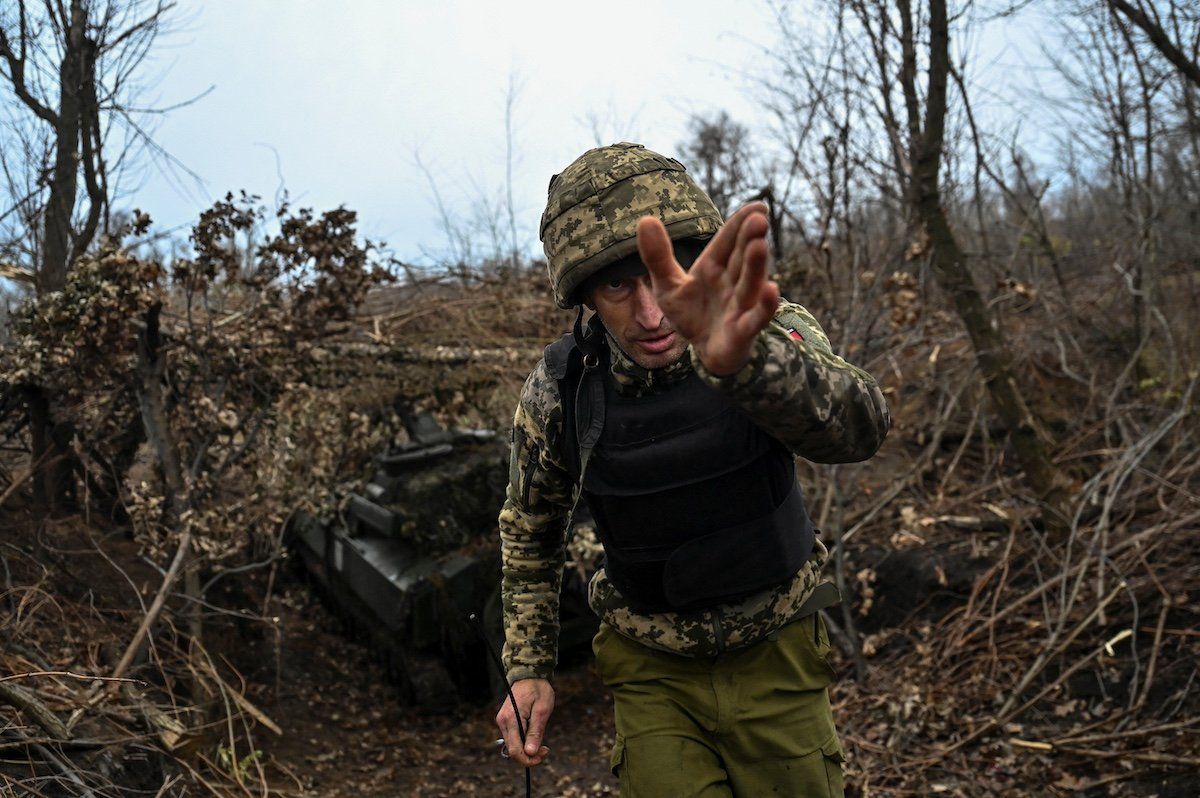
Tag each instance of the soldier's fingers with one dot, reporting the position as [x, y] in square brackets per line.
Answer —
[771, 297]
[753, 227]
[756, 318]
[753, 272]
[723, 243]
[654, 247]
[524, 757]
[537, 725]
[507, 722]
[532, 761]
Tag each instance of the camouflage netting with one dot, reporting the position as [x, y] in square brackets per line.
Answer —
[278, 388]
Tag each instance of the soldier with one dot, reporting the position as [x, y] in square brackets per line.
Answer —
[675, 413]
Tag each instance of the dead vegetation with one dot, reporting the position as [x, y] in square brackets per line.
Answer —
[999, 657]
[981, 653]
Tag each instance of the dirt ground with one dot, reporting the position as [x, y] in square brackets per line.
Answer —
[345, 733]
[344, 730]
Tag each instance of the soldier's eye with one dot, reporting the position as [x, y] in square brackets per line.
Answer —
[615, 283]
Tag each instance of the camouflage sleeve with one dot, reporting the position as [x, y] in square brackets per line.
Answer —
[823, 408]
[531, 531]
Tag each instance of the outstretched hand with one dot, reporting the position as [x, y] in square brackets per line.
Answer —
[723, 302]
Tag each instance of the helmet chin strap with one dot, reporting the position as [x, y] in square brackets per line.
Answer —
[577, 330]
[590, 337]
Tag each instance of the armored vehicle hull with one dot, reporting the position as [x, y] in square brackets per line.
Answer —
[411, 557]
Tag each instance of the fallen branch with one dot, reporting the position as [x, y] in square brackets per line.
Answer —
[74, 743]
[1181, 632]
[1145, 731]
[61, 767]
[24, 700]
[160, 599]
[1137, 756]
[1043, 587]
[1140, 756]
[1052, 648]
[16, 484]
[206, 670]
[1001, 718]
[171, 733]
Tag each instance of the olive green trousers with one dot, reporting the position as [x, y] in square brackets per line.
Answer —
[750, 722]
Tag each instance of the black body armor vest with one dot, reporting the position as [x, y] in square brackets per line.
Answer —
[694, 504]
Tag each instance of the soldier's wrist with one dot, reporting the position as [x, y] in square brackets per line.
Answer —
[519, 673]
[747, 374]
[725, 367]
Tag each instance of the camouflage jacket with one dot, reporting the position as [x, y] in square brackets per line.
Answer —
[794, 388]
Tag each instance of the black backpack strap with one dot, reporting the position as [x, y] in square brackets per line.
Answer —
[589, 395]
[577, 362]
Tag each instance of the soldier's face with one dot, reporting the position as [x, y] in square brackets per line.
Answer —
[632, 316]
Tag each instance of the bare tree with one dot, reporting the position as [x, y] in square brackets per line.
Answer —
[925, 141]
[69, 70]
[868, 115]
[1134, 119]
[718, 150]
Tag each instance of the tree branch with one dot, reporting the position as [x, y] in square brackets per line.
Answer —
[16, 76]
[93, 160]
[1159, 39]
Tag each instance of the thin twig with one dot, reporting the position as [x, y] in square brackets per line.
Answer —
[156, 606]
[70, 675]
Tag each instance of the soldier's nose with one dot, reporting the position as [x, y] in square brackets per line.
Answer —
[647, 313]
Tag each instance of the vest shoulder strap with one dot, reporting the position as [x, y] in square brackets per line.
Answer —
[558, 357]
[564, 363]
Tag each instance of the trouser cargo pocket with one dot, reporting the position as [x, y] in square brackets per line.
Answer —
[617, 758]
[834, 759]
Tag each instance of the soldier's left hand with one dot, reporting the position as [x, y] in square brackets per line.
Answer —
[723, 302]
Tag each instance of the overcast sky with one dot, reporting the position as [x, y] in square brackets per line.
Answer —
[348, 95]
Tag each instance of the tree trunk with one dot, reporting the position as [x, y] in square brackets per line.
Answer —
[949, 262]
[153, 406]
[64, 183]
[52, 456]
[51, 459]
[995, 364]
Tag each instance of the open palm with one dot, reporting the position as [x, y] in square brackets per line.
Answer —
[725, 299]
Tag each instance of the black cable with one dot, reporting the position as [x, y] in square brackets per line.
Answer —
[479, 630]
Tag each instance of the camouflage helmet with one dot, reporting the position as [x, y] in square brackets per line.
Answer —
[594, 205]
